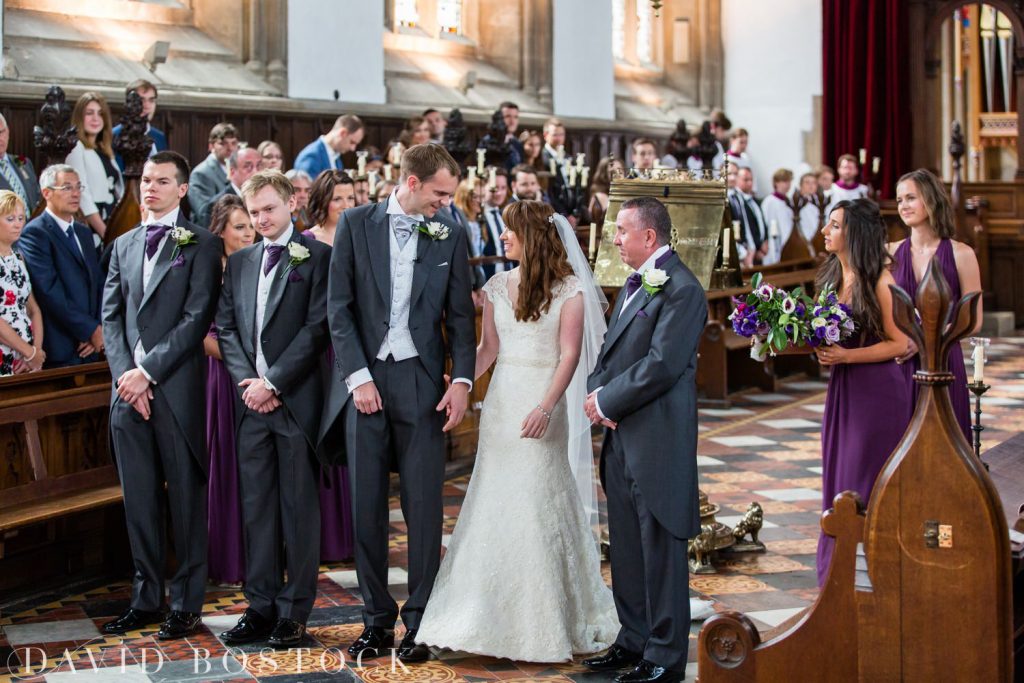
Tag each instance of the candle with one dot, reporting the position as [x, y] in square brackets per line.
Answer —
[773, 228]
[561, 153]
[581, 159]
[726, 250]
[863, 156]
[361, 163]
[736, 231]
[572, 176]
[472, 176]
[371, 179]
[387, 171]
[492, 177]
[876, 162]
[583, 175]
[979, 363]
[480, 155]
[593, 240]
[554, 170]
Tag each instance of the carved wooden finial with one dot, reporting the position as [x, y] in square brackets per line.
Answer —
[132, 143]
[53, 135]
[926, 325]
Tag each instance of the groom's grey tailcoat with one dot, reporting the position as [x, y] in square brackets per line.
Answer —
[408, 431]
[647, 368]
[170, 317]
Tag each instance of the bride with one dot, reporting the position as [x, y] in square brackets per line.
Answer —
[521, 578]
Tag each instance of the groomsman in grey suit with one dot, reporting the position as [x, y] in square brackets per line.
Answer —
[272, 327]
[399, 281]
[643, 391]
[210, 176]
[160, 296]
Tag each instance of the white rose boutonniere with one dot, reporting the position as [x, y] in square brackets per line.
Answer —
[654, 280]
[434, 230]
[181, 238]
[297, 255]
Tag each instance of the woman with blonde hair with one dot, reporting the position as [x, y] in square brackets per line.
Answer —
[93, 158]
[271, 156]
[21, 320]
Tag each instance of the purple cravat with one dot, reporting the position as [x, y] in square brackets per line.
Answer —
[634, 281]
[154, 233]
[274, 252]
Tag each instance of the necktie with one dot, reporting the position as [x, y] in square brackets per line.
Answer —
[403, 231]
[633, 283]
[154, 233]
[14, 181]
[274, 252]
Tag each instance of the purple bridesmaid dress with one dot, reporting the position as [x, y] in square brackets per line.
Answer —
[226, 549]
[867, 409]
[903, 272]
[337, 541]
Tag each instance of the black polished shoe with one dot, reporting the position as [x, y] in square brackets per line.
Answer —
[372, 643]
[411, 652]
[178, 625]
[286, 633]
[131, 620]
[615, 658]
[250, 628]
[645, 672]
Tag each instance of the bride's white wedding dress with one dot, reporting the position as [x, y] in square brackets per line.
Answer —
[521, 578]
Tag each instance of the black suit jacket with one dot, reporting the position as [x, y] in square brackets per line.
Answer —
[171, 318]
[294, 334]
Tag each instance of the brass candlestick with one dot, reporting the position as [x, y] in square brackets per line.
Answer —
[978, 388]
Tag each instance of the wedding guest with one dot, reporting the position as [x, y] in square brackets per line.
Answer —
[510, 116]
[226, 554]
[848, 186]
[361, 187]
[737, 152]
[752, 244]
[533, 146]
[66, 277]
[242, 164]
[826, 179]
[466, 210]
[271, 156]
[272, 326]
[525, 184]
[93, 159]
[210, 176]
[925, 208]
[416, 132]
[809, 212]
[374, 160]
[600, 186]
[720, 125]
[492, 225]
[301, 183]
[147, 93]
[777, 211]
[325, 152]
[16, 172]
[158, 303]
[554, 145]
[21, 321]
[332, 194]
[644, 153]
[384, 190]
[868, 403]
[437, 124]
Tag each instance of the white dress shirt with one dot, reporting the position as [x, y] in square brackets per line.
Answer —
[263, 292]
[170, 219]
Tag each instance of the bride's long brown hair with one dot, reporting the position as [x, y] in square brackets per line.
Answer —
[544, 262]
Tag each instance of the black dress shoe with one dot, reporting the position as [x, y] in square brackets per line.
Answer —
[615, 658]
[645, 672]
[372, 643]
[178, 625]
[131, 620]
[411, 652]
[249, 629]
[286, 633]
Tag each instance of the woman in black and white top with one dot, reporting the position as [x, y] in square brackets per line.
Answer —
[93, 158]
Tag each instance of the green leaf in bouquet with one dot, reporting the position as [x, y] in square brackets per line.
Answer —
[784, 319]
[755, 281]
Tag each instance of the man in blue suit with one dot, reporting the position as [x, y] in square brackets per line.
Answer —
[147, 91]
[325, 152]
[16, 172]
[65, 272]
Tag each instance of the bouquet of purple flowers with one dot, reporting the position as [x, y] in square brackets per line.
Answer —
[830, 322]
[771, 317]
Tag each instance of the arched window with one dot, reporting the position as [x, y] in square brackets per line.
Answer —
[619, 29]
[449, 16]
[634, 34]
[644, 32]
[406, 13]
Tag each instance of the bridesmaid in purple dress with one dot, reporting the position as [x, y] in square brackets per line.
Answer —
[925, 209]
[868, 404]
[332, 192]
[226, 553]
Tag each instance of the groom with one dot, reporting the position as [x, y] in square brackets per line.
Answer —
[644, 392]
[400, 281]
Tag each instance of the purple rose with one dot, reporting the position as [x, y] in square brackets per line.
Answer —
[819, 333]
[832, 333]
[800, 310]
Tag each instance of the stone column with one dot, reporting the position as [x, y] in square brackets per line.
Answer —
[255, 43]
[276, 29]
[536, 49]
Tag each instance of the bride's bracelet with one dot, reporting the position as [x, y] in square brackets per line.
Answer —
[544, 412]
[35, 350]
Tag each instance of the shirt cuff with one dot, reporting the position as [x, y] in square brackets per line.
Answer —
[597, 404]
[270, 385]
[358, 379]
[463, 380]
[146, 374]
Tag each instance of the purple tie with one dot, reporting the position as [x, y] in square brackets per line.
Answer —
[633, 283]
[274, 252]
[154, 233]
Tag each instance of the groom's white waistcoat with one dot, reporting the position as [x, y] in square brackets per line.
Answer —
[398, 341]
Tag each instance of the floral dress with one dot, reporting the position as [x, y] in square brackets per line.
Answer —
[14, 291]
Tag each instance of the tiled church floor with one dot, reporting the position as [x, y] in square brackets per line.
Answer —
[765, 447]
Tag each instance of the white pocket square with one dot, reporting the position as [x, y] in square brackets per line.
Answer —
[441, 265]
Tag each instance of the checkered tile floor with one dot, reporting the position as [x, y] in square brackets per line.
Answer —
[765, 447]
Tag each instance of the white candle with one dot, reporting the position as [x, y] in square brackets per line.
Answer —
[773, 228]
[472, 176]
[593, 239]
[361, 163]
[863, 156]
[736, 231]
[480, 154]
[726, 249]
[492, 177]
[572, 176]
[876, 163]
[583, 177]
[581, 159]
[561, 153]
[979, 363]
[551, 164]
[371, 179]
[387, 171]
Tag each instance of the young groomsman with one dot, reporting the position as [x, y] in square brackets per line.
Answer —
[159, 299]
[272, 326]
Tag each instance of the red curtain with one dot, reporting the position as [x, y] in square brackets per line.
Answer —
[865, 48]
